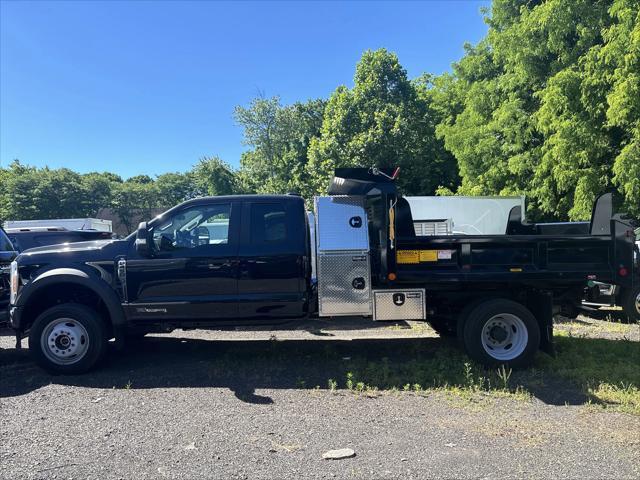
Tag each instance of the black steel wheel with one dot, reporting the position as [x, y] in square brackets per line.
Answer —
[501, 332]
[68, 339]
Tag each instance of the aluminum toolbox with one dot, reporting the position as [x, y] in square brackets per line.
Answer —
[406, 304]
[344, 285]
[341, 224]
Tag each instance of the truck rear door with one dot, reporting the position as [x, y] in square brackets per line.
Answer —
[273, 259]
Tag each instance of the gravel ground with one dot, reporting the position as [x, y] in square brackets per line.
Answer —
[204, 404]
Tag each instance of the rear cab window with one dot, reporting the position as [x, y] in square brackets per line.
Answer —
[268, 224]
[274, 226]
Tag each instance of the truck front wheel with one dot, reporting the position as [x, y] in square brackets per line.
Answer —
[501, 331]
[68, 339]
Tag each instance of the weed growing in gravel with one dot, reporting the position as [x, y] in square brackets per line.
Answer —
[504, 376]
[625, 397]
[332, 384]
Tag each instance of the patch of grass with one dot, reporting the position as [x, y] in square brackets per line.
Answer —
[625, 398]
[596, 328]
[449, 372]
[586, 371]
[607, 371]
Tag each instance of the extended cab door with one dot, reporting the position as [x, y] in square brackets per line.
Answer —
[273, 259]
[192, 273]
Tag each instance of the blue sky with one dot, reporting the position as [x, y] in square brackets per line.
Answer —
[150, 87]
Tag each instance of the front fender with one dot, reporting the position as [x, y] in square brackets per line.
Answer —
[68, 275]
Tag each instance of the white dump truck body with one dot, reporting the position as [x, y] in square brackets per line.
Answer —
[467, 215]
[68, 223]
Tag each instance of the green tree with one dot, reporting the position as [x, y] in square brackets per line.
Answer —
[31, 193]
[141, 179]
[547, 105]
[212, 176]
[385, 120]
[97, 191]
[174, 188]
[131, 200]
[279, 137]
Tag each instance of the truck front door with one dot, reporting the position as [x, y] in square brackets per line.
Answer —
[192, 273]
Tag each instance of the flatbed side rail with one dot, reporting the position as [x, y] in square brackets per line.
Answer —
[490, 258]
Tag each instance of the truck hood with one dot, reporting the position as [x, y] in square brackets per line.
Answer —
[76, 251]
[69, 247]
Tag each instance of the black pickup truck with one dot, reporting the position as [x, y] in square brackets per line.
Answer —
[225, 262]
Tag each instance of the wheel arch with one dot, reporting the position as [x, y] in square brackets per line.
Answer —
[35, 297]
[538, 302]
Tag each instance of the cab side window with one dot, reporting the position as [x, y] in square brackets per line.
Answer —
[268, 224]
[193, 227]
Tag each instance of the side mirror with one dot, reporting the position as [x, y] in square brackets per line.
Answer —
[142, 240]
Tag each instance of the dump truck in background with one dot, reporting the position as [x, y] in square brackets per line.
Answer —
[96, 224]
[462, 215]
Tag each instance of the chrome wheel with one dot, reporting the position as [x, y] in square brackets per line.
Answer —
[638, 303]
[64, 341]
[504, 336]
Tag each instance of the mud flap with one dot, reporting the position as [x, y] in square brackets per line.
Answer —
[541, 305]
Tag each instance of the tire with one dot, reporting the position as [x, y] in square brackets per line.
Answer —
[68, 339]
[631, 304]
[501, 332]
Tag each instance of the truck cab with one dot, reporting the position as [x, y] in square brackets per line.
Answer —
[219, 259]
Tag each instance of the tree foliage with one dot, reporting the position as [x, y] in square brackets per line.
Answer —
[279, 138]
[384, 120]
[212, 176]
[548, 104]
[28, 193]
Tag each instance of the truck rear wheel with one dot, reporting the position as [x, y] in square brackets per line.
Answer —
[68, 339]
[631, 304]
[501, 331]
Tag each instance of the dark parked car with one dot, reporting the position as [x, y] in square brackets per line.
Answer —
[7, 254]
[26, 238]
